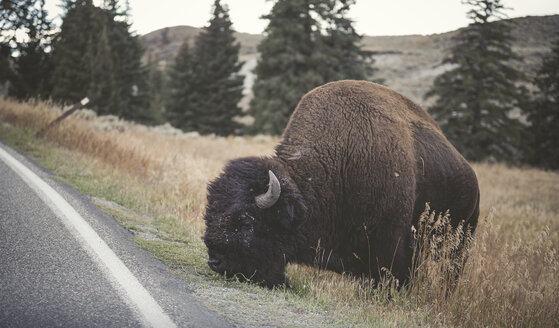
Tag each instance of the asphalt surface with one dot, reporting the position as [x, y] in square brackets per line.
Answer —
[49, 279]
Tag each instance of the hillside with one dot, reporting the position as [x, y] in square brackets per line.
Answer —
[164, 44]
[407, 63]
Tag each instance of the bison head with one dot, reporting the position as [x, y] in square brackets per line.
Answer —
[253, 219]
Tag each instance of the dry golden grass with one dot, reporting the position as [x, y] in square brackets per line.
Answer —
[510, 278]
[173, 170]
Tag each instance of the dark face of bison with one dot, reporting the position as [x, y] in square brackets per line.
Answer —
[252, 221]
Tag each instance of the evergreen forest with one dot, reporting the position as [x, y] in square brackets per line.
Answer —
[488, 108]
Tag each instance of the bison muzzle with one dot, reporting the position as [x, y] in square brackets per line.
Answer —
[350, 178]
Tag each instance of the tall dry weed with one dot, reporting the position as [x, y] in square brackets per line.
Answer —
[74, 135]
[440, 255]
[501, 284]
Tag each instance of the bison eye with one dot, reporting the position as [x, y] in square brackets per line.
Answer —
[238, 223]
[246, 219]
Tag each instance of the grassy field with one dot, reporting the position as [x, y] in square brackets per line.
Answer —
[154, 184]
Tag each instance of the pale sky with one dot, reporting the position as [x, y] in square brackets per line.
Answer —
[371, 17]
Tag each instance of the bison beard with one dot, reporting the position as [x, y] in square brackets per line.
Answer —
[355, 167]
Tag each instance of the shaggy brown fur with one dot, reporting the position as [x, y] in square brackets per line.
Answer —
[356, 165]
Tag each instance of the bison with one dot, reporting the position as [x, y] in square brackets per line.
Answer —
[351, 176]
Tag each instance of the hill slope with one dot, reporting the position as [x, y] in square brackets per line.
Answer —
[408, 63]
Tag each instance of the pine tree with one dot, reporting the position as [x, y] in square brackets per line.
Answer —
[102, 82]
[180, 109]
[7, 73]
[157, 90]
[340, 43]
[25, 61]
[544, 115]
[132, 87]
[219, 86]
[474, 99]
[72, 51]
[285, 70]
[308, 43]
[32, 68]
[96, 55]
[205, 84]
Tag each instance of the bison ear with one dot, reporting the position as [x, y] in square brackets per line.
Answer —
[294, 211]
[282, 201]
[286, 216]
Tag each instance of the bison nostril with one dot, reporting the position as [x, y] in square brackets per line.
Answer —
[214, 264]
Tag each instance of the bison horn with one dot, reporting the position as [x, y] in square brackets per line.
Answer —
[271, 196]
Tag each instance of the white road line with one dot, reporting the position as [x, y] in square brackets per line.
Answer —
[134, 291]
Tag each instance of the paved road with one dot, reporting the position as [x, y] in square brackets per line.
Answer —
[53, 272]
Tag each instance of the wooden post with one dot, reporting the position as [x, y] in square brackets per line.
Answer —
[67, 113]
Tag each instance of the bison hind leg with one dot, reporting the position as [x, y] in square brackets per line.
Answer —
[393, 257]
